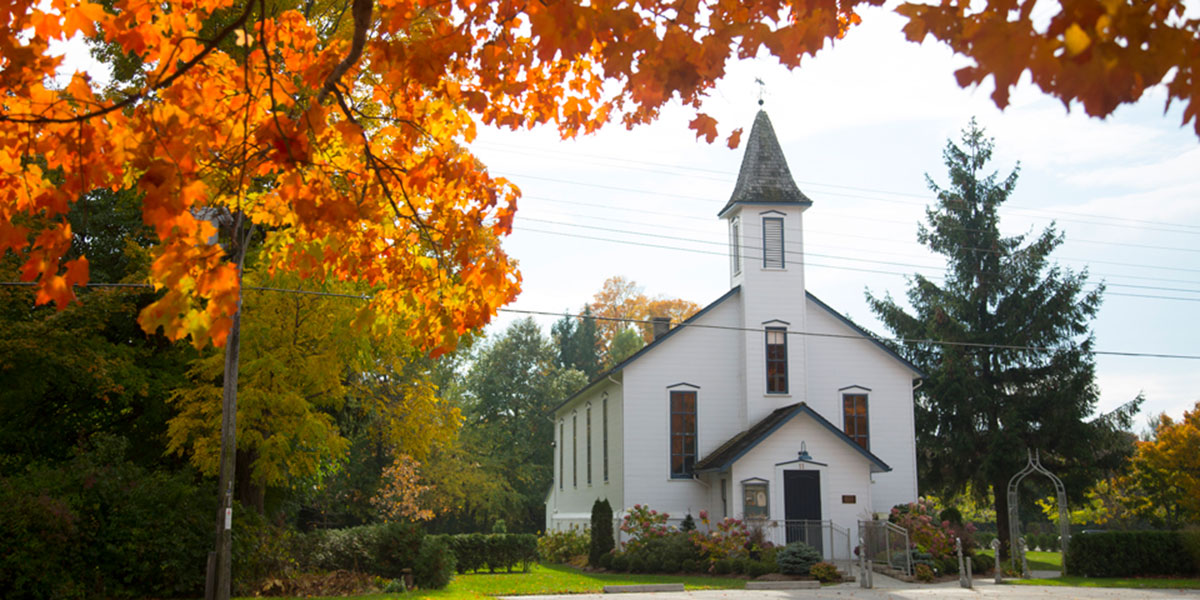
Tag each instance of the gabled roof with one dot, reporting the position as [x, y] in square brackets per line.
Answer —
[723, 457]
[764, 177]
[866, 334]
[636, 355]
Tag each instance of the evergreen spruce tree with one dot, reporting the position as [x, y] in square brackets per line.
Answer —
[577, 341]
[602, 531]
[1016, 369]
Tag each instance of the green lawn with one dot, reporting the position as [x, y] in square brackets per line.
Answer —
[552, 579]
[1113, 582]
[1039, 561]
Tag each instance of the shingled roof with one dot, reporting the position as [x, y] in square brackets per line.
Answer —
[737, 446]
[764, 177]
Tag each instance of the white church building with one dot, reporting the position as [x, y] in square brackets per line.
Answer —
[766, 405]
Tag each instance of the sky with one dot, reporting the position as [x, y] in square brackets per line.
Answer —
[861, 125]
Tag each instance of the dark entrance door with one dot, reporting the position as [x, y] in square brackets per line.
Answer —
[802, 506]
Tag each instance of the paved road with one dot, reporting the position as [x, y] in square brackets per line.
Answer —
[888, 588]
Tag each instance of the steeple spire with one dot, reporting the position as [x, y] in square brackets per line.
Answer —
[764, 177]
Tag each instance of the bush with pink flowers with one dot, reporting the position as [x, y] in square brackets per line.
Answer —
[727, 540]
[642, 524]
[927, 532]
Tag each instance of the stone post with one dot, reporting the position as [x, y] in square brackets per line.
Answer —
[1024, 560]
[999, 570]
[962, 569]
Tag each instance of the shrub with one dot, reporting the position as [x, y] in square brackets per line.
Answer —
[500, 526]
[947, 566]
[395, 547]
[984, 539]
[620, 562]
[602, 541]
[951, 515]
[722, 566]
[643, 524]
[923, 573]
[1131, 554]
[434, 564]
[561, 546]
[669, 565]
[825, 572]
[690, 566]
[797, 558]
[688, 524]
[637, 563]
[728, 540]
[100, 525]
[936, 536]
[605, 561]
[982, 563]
[758, 568]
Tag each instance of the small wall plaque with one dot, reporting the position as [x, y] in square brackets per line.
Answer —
[849, 499]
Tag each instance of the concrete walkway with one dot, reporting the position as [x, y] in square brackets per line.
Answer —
[889, 588]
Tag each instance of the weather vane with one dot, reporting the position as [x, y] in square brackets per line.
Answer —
[762, 89]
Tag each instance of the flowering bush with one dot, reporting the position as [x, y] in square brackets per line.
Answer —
[727, 540]
[643, 525]
[927, 532]
[563, 546]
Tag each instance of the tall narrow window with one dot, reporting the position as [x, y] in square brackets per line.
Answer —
[562, 449]
[575, 450]
[854, 418]
[604, 426]
[735, 244]
[588, 425]
[777, 367]
[773, 243]
[683, 434]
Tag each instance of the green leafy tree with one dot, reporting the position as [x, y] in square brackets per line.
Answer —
[1164, 473]
[513, 385]
[625, 344]
[1012, 368]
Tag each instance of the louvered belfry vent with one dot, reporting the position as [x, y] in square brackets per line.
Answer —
[773, 243]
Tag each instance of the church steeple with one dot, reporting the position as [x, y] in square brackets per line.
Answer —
[764, 177]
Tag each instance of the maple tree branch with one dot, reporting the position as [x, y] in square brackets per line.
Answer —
[362, 11]
[187, 66]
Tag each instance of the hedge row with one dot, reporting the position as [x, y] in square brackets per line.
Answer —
[1134, 554]
[495, 551]
[384, 550]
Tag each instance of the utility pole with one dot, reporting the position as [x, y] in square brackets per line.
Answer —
[218, 581]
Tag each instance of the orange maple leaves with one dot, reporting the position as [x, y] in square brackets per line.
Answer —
[1101, 53]
[371, 180]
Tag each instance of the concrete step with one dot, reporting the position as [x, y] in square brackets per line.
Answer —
[647, 587]
[783, 585]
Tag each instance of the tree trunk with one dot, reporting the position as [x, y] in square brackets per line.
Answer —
[248, 493]
[1000, 501]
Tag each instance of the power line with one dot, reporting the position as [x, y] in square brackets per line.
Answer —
[868, 337]
[729, 176]
[840, 234]
[806, 264]
[748, 247]
[860, 217]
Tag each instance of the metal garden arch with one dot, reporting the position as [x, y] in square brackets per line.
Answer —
[1034, 464]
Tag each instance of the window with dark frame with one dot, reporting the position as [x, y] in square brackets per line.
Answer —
[854, 418]
[683, 434]
[604, 426]
[588, 425]
[562, 449]
[575, 450]
[777, 367]
[773, 243]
